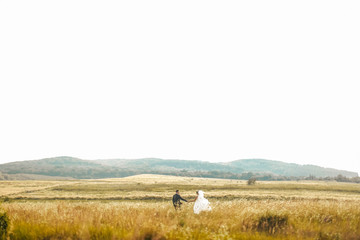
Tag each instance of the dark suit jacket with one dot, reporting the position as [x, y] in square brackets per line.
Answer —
[176, 199]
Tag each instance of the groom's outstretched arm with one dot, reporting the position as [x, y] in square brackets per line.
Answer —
[183, 199]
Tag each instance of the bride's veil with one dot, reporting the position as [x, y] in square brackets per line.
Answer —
[201, 194]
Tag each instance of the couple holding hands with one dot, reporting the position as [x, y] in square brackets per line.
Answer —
[201, 203]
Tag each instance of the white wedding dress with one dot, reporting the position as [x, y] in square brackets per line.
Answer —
[201, 203]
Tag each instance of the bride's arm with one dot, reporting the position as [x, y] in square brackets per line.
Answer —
[193, 200]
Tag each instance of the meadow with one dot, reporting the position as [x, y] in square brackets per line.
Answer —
[140, 207]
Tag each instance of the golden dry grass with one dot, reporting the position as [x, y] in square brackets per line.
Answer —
[116, 209]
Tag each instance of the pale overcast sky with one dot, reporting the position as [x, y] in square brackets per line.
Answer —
[197, 80]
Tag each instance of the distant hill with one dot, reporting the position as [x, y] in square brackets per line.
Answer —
[63, 167]
[69, 167]
[288, 169]
[157, 164]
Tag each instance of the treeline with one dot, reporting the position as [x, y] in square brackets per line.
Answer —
[115, 173]
[338, 178]
[257, 176]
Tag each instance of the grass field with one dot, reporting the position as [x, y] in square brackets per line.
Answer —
[140, 207]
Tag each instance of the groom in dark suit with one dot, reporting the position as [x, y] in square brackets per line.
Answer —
[176, 200]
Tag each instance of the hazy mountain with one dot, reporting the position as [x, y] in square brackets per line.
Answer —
[288, 169]
[109, 168]
[157, 164]
[63, 167]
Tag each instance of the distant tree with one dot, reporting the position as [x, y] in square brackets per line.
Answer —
[251, 181]
[341, 178]
[311, 177]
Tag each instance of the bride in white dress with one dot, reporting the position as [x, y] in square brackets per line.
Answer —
[201, 203]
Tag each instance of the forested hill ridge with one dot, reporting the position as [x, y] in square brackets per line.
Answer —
[69, 167]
